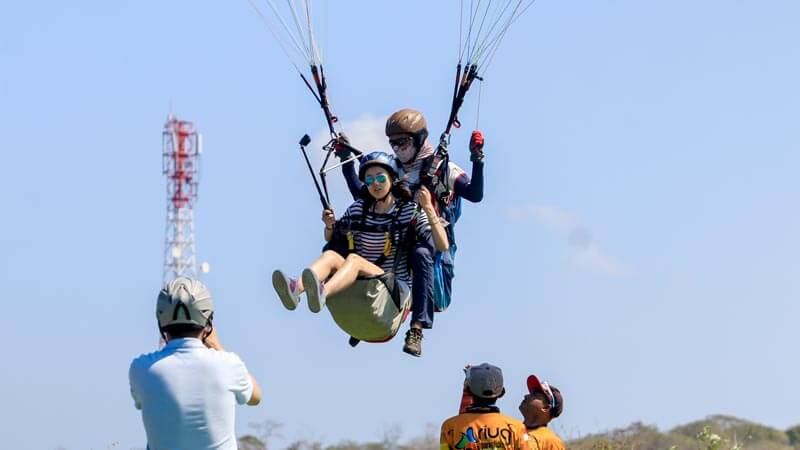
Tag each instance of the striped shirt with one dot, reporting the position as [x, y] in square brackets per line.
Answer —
[371, 242]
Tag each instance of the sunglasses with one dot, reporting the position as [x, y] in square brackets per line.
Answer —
[400, 142]
[380, 179]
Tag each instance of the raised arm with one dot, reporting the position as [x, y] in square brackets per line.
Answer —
[212, 341]
[471, 188]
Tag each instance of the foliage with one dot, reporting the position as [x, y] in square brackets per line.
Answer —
[793, 434]
[713, 433]
[713, 441]
[250, 442]
[635, 436]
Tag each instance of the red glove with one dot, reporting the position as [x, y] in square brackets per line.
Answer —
[476, 146]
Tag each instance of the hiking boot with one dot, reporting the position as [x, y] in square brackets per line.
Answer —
[315, 291]
[413, 344]
[287, 289]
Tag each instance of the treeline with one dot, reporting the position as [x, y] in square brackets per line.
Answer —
[712, 433]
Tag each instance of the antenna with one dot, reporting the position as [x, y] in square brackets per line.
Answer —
[180, 163]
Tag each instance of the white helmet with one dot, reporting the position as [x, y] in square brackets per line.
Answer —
[184, 301]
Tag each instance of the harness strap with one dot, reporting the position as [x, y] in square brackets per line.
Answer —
[394, 234]
[367, 228]
[387, 249]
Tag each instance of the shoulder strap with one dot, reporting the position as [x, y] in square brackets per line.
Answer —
[390, 238]
[403, 234]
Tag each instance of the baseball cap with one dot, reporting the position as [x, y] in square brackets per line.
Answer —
[552, 393]
[184, 301]
[485, 380]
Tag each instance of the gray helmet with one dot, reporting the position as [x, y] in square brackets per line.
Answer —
[485, 381]
[184, 301]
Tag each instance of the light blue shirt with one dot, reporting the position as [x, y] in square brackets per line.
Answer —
[188, 395]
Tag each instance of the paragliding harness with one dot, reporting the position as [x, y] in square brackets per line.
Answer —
[384, 299]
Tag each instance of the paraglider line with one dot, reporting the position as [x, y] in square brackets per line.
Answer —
[311, 88]
[272, 31]
[480, 28]
[300, 34]
[481, 47]
[491, 47]
[478, 113]
[288, 30]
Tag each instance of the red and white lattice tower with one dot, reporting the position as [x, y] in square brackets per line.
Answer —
[181, 162]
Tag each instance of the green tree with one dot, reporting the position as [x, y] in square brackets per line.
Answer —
[793, 434]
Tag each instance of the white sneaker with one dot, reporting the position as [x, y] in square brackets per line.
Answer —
[315, 291]
[287, 289]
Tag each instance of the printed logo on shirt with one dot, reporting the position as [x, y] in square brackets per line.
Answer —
[487, 438]
[466, 439]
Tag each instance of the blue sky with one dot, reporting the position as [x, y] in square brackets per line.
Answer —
[637, 245]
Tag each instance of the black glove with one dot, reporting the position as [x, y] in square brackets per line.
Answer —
[342, 147]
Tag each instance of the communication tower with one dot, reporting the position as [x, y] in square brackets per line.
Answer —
[182, 146]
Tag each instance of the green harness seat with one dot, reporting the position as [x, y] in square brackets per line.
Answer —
[371, 309]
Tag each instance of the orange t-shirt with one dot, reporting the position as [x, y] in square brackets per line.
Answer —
[483, 431]
[544, 438]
